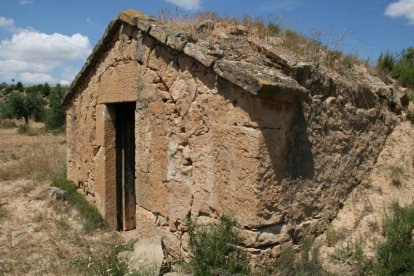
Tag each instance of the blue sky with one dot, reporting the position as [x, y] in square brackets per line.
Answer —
[49, 40]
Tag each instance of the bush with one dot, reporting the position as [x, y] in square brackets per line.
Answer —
[91, 217]
[401, 68]
[404, 72]
[395, 256]
[216, 249]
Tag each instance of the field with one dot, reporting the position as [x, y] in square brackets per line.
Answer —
[39, 235]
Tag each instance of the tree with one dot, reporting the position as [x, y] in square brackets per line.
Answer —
[55, 115]
[24, 106]
[19, 86]
[46, 89]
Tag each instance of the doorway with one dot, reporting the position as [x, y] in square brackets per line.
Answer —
[125, 166]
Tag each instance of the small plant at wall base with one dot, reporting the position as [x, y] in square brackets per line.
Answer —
[91, 218]
[217, 249]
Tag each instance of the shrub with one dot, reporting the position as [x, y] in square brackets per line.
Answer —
[395, 256]
[91, 217]
[404, 72]
[216, 249]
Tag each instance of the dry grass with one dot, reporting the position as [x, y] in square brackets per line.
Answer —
[304, 48]
[40, 162]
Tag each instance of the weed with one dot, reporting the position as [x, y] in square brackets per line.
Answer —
[274, 28]
[307, 264]
[91, 217]
[397, 175]
[334, 235]
[3, 212]
[386, 62]
[104, 261]
[216, 249]
[374, 226]
[22, 129]
[28, 187]
[395, 256]
[410, 115]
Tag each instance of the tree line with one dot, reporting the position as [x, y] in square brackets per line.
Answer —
[41, 103]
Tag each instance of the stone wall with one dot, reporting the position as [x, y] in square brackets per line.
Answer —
[205, 147]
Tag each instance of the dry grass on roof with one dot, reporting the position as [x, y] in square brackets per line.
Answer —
[227, 34]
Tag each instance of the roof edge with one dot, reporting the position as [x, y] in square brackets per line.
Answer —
[271, 84]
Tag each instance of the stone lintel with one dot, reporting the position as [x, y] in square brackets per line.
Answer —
[261, 81]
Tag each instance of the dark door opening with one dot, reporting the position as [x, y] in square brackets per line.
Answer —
[125, 166]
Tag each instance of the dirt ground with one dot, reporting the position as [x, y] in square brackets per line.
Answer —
[39, 236]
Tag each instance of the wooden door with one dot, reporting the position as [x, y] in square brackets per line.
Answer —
[125, 166]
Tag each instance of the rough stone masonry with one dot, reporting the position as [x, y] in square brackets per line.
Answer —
[232, 128]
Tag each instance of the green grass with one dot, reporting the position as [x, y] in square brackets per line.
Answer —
[91, 218]
[216, 249]
[396, 255]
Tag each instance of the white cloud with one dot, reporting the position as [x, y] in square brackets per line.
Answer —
[32, 56]
[65, 82]
[33, 78]
[32, 46]
[6, 22]
[186, 4]
[401, 8]
[26, 2]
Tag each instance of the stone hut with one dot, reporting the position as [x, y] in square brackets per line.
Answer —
[163, 127]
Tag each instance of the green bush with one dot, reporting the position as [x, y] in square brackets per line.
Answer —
[217, 249]
[396, 255]
[91, 217]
